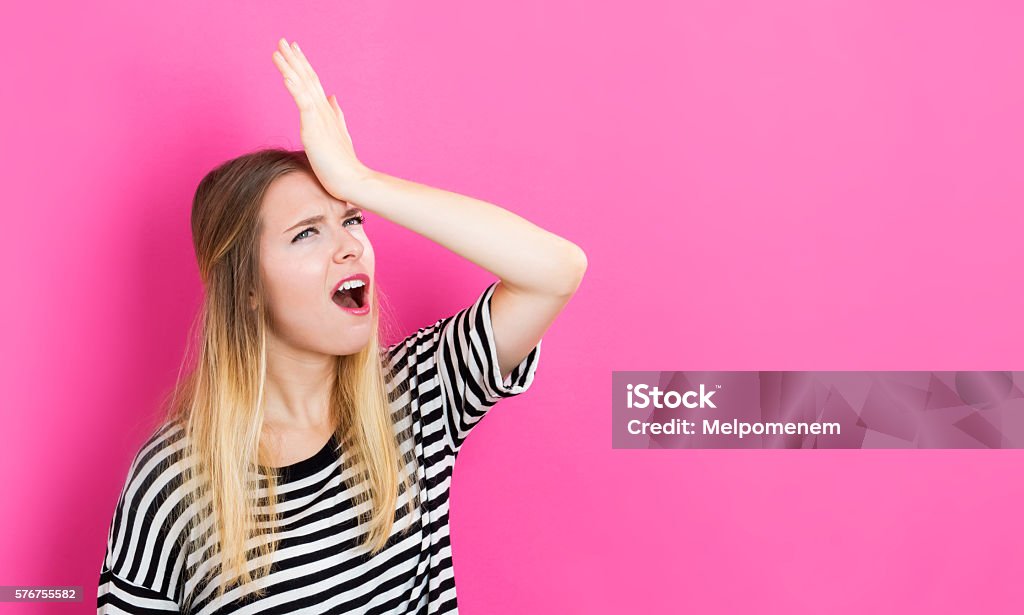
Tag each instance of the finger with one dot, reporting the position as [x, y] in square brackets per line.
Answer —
[287, 51]
[337, 110]
[301, 64]
[291, 81]
[298, 88]
[292, 61]
[306, 76]
[297, 93]
[286, 61]
[307, 68]
[286, 70]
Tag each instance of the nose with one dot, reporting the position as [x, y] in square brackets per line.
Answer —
[349, 247]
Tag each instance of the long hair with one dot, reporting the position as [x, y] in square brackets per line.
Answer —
[220, 401]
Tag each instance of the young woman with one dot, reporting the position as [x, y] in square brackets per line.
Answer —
[302, 467]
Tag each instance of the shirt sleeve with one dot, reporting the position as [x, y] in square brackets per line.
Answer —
[134, 570]
[467, 367]
[116, 595]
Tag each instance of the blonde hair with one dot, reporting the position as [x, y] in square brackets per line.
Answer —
[220, 401]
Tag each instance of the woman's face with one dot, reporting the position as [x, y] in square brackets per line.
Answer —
[303, 260]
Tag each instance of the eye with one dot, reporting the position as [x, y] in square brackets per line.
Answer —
[359, 219]
[301, 235]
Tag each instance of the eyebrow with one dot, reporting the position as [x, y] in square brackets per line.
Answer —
[315, 219]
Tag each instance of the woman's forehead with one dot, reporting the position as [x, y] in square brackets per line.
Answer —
[297, 195]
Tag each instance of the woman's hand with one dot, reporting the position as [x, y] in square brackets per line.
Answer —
[324, 133]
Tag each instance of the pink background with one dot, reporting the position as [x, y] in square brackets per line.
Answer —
[758, 185]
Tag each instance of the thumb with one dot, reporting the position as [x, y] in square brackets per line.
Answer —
[337, 108]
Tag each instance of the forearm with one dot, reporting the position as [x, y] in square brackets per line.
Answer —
[523, 255]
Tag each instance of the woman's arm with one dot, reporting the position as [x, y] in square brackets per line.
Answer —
[525, 256]
[539, 271]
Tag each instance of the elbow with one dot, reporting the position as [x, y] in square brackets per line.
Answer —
[576, 267]
[580, 260]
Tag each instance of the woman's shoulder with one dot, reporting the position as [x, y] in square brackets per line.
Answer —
[159, 452]
[148, 505]
[422, 344]
[155, 472]
[411, 349]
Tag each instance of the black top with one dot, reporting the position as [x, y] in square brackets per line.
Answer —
[311, 465]
[452, 380]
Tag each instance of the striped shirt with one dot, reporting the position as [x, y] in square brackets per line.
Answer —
[451, 369]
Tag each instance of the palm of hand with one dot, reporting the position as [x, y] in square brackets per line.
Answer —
[323, 131]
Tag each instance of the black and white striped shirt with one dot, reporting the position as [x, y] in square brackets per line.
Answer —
[453, 378]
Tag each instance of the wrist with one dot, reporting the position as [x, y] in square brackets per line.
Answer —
[359, 182]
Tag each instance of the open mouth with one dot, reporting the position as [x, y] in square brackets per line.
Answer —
[353, 298]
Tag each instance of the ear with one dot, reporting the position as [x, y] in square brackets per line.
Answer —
[252, 300]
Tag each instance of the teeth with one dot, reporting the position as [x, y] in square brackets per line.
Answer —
[351, 284]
